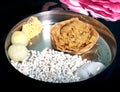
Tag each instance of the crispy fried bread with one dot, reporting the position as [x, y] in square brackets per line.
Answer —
[73, 36]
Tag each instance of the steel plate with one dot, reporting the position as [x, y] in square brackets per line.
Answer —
[106, 45]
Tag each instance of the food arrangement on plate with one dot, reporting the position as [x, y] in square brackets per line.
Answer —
[70, 39]
[21, 38]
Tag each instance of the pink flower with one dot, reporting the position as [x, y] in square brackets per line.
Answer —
[106, 9]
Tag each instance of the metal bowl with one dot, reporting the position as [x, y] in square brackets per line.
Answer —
[106, 46]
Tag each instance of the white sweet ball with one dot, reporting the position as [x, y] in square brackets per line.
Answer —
[17, 52]
[19, 37]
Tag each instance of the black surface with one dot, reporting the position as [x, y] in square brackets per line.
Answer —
[12, 12]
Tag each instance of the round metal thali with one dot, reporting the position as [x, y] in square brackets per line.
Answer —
[106, 45]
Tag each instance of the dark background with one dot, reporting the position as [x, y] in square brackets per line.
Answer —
[11, 12]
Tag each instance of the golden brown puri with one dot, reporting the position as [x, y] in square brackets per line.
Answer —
[73, 36]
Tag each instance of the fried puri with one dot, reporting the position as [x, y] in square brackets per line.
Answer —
[73, 36]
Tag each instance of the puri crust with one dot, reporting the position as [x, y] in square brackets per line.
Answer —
[73, 36]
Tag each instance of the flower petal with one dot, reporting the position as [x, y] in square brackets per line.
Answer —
[106, 9]
[115, 7]
[102, 14]
[115, 1]
[97, 6]
[74, 5]
[71, 2]
[78, 9]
